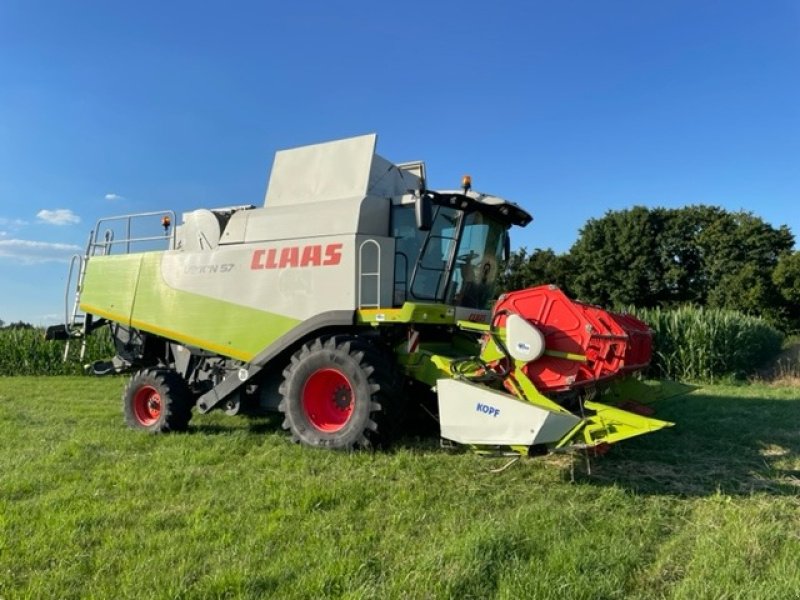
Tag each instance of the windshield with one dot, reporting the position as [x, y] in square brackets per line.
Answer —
[478, 260]
[429, 281]
[456, 262]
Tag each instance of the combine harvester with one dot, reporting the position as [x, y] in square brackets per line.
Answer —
[354, 289]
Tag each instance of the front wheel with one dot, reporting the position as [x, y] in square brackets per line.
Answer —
[329, 394]
[158, 401]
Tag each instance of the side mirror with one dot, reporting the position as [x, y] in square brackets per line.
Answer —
[506, 247]
[423, 212]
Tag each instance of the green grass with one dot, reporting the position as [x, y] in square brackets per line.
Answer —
[88, 508]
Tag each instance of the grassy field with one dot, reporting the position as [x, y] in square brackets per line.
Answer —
[707, 509]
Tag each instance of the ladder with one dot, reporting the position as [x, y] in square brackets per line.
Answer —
[75, 322]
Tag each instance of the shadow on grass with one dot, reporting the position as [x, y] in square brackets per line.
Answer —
[734, 445]
[720, 444]
[255, 424]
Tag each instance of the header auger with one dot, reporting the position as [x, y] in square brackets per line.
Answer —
[351, 292]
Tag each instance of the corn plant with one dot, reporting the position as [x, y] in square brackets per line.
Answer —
[702, 344]
[25, 352]
[691, 344]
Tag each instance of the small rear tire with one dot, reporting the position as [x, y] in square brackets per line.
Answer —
[158, 401]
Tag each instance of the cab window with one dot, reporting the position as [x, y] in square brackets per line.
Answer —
[478, 261]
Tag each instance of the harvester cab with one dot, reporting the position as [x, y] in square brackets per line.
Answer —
[351, 289]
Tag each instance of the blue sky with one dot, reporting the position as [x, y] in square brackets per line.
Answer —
[569, 108]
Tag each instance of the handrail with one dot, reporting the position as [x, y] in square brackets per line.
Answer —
[126, 221]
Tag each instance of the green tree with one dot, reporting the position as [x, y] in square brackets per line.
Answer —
[665, 257]
[740, 253]
[749, 290]
[537, 268]
[616, 259]
[786, 277]
[681, 258]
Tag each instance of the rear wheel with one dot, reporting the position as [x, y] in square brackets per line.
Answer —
[332, 393]
[157, 400]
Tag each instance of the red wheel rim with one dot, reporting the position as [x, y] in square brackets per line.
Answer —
[328, 399]
[147, 405]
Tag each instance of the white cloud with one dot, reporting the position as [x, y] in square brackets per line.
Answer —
[33, 252]
[12, 222]
[114, 197]
[59, 216]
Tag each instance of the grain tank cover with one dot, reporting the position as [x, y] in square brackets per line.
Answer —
[335, 170]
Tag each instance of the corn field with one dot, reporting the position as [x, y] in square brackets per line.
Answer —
[701, 344]
[691, 344]
[25, 352]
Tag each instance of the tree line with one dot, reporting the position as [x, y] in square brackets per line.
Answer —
[15, 325]
[666, 257]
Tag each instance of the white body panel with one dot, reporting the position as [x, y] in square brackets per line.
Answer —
[297, 278]
[334, 170]
[200, 231]
[524, 341]
[321, 172]
[473, 414]
[255, 276]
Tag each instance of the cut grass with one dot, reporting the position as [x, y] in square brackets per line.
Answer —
[88, 508]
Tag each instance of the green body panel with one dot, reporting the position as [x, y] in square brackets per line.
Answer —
[432, 360]
[410, 312]
[526, 390]
[610, 425]
[110, 283]
[425, 366]
[129, 289]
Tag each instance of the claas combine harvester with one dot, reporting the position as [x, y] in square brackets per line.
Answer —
[352, 293]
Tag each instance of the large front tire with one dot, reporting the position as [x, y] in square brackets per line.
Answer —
[158, 401]
[330, 397]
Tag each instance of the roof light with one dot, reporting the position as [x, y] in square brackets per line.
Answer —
[466, 183]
